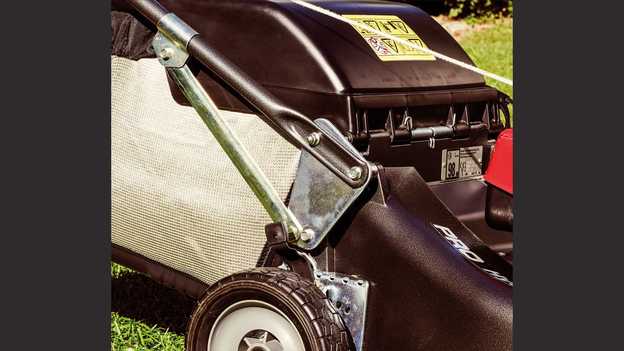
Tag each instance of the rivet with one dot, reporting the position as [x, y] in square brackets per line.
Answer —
[165, 54]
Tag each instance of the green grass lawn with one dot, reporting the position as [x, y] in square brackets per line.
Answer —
[490, 48]
[130, 334]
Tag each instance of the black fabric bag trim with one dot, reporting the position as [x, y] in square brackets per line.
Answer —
[131, 38]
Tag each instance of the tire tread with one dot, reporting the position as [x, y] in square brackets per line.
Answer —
[331, 332]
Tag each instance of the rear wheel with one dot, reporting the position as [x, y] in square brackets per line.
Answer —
[266, 309]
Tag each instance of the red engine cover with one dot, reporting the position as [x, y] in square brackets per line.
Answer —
[500, 170]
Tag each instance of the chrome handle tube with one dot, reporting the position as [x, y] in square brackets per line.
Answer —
[246, 165]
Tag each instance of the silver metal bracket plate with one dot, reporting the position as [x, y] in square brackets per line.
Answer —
[319, 198]
[348, 295]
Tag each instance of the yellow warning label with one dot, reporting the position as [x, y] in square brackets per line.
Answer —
[388, 49]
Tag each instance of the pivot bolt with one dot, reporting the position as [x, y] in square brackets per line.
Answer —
[355, 173]
[307, 234]
[314, 139]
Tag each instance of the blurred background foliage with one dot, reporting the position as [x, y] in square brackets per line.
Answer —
[477, 9]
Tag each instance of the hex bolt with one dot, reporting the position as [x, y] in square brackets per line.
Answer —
[314, 138]
[355, 173]
[307, 234]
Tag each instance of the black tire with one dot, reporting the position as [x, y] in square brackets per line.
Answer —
[318, 325]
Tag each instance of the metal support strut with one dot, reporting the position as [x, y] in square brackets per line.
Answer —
[168, 42]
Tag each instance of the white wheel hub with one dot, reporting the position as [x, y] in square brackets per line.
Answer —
[253, 325]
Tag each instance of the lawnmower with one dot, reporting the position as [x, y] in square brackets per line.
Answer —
[319, 175]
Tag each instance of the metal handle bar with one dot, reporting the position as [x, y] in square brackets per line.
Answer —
[292, 125]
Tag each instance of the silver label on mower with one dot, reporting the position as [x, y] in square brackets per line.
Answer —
[462, 162]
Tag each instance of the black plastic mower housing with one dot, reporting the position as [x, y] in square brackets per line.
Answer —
[304, 57]
[324, 68]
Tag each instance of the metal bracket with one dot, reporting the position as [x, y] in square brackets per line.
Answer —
[169, 54]
[318, 197]
[171, 41]
[349, 296]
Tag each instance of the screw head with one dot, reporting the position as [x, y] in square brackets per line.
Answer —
[355, 173]
[314, 138]
[307, 234]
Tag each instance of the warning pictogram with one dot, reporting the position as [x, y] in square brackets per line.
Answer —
[387, 49]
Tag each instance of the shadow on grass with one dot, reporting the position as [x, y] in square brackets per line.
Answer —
[136, 296]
